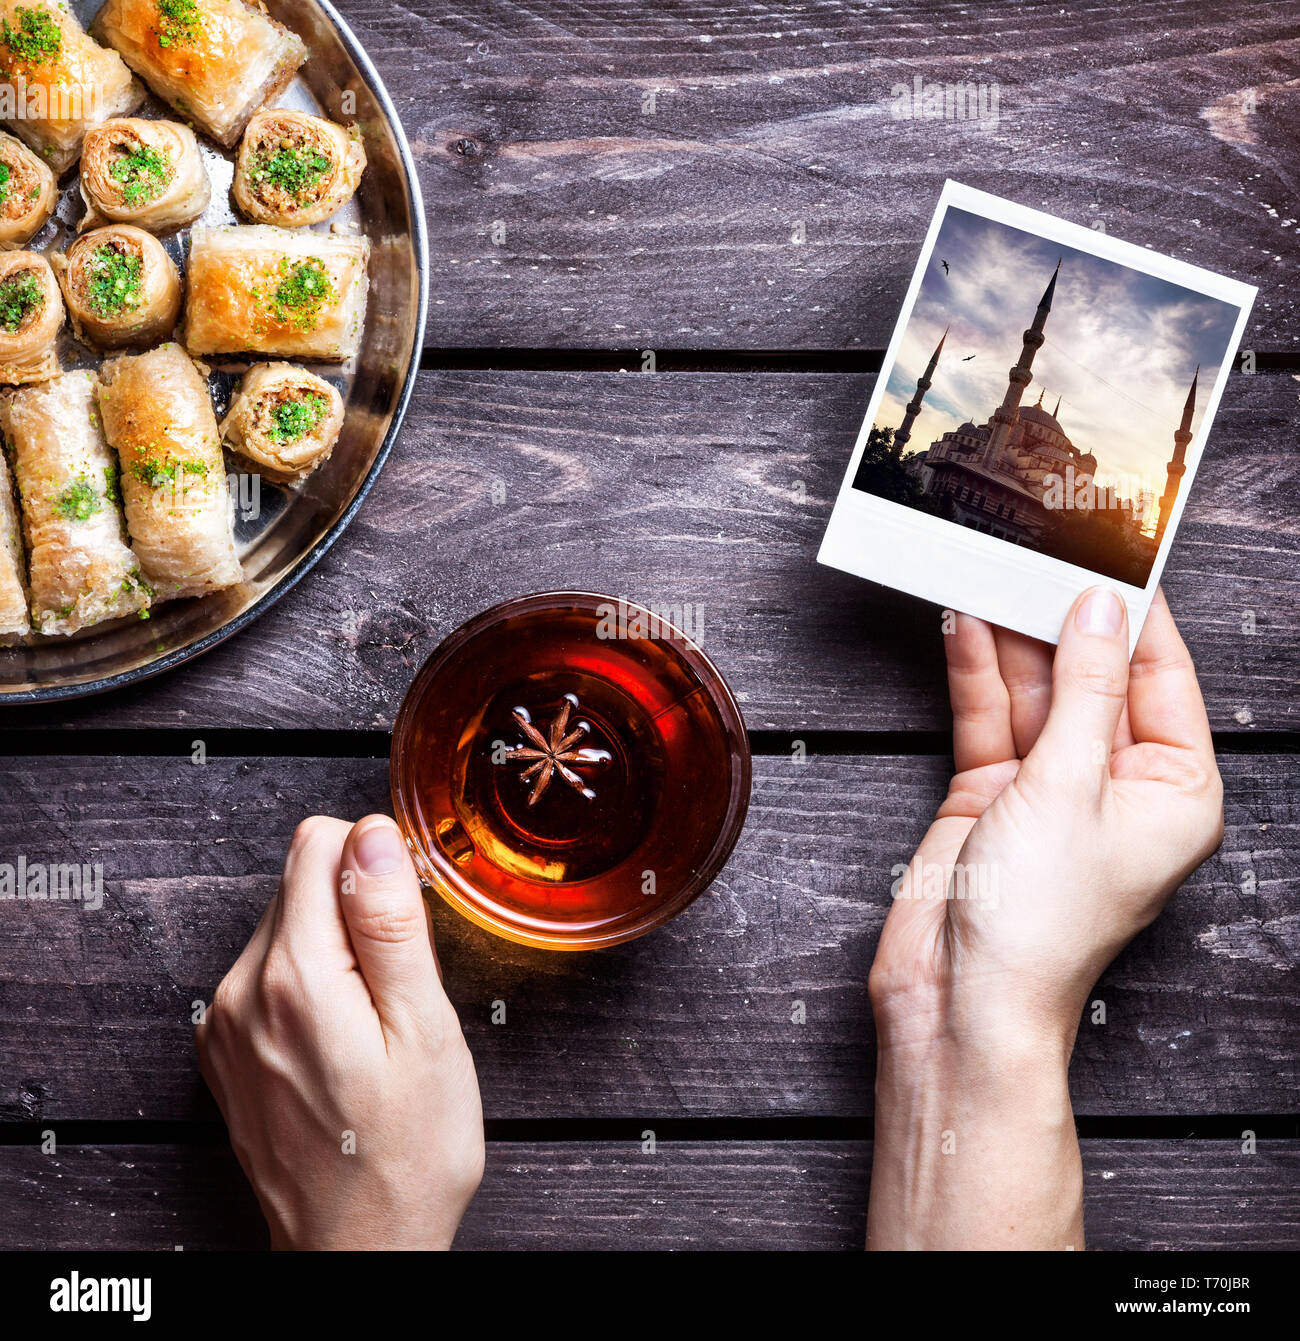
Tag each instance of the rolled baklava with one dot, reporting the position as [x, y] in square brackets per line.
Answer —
[120, 286]
[58, 82]
[294, 168]
[31, 315]
[146, 173]
[158, 415]
[13, 571]
[215, 61]
[82, 570]
[284, 419]
[28, 193]
[264, 290]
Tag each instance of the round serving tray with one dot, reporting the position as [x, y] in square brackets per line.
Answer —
[283, 531]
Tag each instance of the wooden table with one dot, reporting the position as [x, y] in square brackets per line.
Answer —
[625, 224]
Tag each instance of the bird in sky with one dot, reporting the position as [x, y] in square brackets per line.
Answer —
[945, 266]
[968, 358]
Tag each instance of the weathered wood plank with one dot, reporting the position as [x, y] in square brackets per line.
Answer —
[608, 1195]
[712, 490]
[566, 209]
[694, 1020]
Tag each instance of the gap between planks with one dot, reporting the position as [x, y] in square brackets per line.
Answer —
[511, 359]
[1119, 1126]
[304, 743]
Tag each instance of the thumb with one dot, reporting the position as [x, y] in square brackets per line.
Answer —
[1089, 689]
[384, 911]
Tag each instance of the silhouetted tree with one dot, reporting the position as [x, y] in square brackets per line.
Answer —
[886, 472]
[1103, 540]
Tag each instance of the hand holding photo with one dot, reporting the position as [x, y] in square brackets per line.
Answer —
[1004, 491]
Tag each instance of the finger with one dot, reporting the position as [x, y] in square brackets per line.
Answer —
[1124, 731]
[255, 950]
[981, 709]
[309, 913]
[1026, 668]
[1026, 665]
[212, 1077]
[247, 964]
[433, 940]
[388, 923]
[1164, 700]
[1089, 685]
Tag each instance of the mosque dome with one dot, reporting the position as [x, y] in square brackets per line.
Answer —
[1034, 414]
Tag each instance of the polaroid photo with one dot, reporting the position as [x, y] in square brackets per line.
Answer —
[1041, 411]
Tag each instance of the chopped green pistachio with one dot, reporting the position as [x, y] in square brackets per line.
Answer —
[19, 295]
[178, 21]
[294, 170]
[301, 293]
[114, 280]
[5, 174]
[143, 173]
[133, 582]
[155, 472]
[37, 37]
[78, 501]
[291, 419]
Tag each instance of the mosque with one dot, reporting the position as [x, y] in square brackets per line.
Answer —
[1004, 477]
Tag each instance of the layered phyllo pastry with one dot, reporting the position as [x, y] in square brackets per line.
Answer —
[264, 290]
[294, 168]
[146, 173]
[13, 570]
[120, 286]
[56, 83]
[157, 415]
[284, 419]
[28, 193]
[215, 61]
[81, 568]
[31, 316]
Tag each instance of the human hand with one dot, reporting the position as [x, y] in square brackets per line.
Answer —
[1086, 791]
[338, 1060]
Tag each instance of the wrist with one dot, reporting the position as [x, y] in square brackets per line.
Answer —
[974, 1135]
[363, 1237]
[979, 1021]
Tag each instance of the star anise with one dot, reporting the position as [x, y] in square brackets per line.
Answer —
[547, 755]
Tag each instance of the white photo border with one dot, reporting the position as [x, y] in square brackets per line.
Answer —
[964, 569]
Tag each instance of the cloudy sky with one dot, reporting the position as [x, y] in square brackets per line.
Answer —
[1120, 352]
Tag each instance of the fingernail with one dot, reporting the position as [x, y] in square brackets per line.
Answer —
[1101, 613]
[379, 849]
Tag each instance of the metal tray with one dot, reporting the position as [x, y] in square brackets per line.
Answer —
[287, 531]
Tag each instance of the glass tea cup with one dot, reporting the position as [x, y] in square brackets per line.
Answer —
[570, 770]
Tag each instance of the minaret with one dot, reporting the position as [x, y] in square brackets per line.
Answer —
[1178, 466]
[1005, 416]
[1056, 413]
[904, 431]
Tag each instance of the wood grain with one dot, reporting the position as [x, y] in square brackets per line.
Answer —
[692, 1021]
[618, 224]
[612, 1195]
[712, 490]
[768, 200]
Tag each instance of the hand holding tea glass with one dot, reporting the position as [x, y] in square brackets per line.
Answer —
[336, 1057]
[1086, 791]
